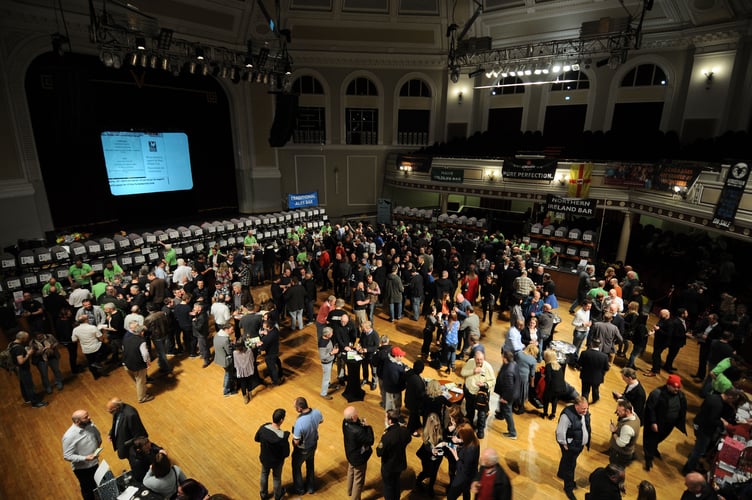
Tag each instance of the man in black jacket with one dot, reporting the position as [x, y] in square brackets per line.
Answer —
[270, 345]
[665, 409]
[275, 447]
[126, 425]
[606, 483]
[358, 441]
[415, 395]
[593, 367]
[391, 449]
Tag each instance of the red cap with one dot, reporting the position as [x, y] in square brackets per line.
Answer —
[674, 381]
[396, 351]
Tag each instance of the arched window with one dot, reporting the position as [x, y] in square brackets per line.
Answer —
[414, 113]
[415, 88]
[571, 80]
[362, 119]
[508, 85]
[362, 86]
[310, 119]
[645, 75]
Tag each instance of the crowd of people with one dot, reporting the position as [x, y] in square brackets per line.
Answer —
[444, 281]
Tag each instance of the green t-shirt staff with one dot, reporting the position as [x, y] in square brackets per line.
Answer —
[80, 273]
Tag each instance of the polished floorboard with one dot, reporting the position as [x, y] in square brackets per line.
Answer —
[211, 437]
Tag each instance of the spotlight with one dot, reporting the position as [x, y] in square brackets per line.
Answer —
[249, 55]
[455, 75]
[489, 73]
[107, 59]
[566, 68]
[537, 71]
[512, 73]
[504, 73]
[556, 68]
[140, 43]
[528, 72]
[545, 70]
[576, 67]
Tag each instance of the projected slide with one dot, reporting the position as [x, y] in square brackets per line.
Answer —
[141, 163]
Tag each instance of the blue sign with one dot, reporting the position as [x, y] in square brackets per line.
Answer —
[302, 200]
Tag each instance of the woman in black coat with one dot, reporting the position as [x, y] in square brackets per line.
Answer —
[556, 386]
[467, 457]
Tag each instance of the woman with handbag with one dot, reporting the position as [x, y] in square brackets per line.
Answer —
[430, 453]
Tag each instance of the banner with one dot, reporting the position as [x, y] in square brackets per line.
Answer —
[731, 195]
[444, 174]
[540, 169]
[579, 180]
[574, 206]
[680, 174]
[638, 175]
[302, 200]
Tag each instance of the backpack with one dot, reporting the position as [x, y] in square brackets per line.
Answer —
[482, 399]
[6, 359]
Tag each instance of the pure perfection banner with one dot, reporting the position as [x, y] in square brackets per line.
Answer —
[302, 200]
[534, 169]
[575, 206]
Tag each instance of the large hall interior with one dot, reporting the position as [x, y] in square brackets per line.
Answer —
[611, 133]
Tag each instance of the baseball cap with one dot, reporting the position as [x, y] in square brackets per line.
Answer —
[674, 381]
[396, 351]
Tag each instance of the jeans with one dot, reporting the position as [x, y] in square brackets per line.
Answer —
[450, 355]
[161, 346]
[415, 303]
[395, 307]
[296, 318]
[310, 315]
[27, 385]
[567, 465]
[371, 308]
[299, 457]
[505, 409]
[54, 363]
[276, 471]
[702, 442]
[227, 382]
[203, 348]
[326, 377]
[637, 351]
[578, 337]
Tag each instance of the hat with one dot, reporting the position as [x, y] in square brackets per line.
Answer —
[674, 381]
[396, 351]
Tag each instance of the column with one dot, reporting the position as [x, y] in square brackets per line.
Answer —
[626, 231]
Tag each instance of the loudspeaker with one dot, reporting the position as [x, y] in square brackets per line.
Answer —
[284, 120]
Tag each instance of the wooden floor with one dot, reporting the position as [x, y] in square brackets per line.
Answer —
[211, 437]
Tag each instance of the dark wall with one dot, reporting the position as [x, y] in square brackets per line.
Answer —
[74, 98]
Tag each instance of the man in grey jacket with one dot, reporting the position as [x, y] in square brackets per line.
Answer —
[327, 353]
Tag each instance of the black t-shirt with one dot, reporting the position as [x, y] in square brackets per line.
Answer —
[17, 350]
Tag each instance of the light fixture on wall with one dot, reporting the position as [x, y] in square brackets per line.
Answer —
[708, 77]
[459, 97]
[562, 179]
[490, 174]
[406, 169]
[681, 192]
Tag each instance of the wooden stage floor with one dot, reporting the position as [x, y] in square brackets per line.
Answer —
[211, 437]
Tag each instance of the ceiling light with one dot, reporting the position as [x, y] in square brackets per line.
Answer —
[199, 53]
[140, 43]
